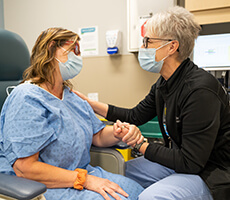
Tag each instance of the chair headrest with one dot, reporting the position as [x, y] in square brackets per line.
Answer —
[14, 56]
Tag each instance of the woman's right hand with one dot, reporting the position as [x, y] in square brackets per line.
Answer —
[104, 186]
[80, 95]
[128, 133]
[98, 107]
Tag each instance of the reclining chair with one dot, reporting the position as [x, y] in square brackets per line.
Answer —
[14, 59]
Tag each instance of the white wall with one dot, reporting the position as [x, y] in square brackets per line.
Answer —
[29, 18]
[118, 79]
[1, 14]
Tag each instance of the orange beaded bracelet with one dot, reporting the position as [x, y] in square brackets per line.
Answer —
[81, 177]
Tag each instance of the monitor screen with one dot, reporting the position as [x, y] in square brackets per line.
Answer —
[212, 51]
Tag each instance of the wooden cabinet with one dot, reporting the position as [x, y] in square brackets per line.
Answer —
[209, 11]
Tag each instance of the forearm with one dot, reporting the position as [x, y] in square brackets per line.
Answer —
[138, 115]
[144, 111]
[105, 138]
[51, 176]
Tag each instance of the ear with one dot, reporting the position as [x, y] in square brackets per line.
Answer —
[173, 46]
[52, 44]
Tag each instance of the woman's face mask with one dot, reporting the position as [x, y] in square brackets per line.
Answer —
[71, 67]
[147, 59]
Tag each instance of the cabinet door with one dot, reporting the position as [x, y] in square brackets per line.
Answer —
[209, 11]
[196, 5]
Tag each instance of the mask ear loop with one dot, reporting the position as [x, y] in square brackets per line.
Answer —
[163, 46]
[58, 60]
[165, 57]
[63, 50]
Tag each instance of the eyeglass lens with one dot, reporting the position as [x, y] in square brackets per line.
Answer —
[145, 42]
[77, 49]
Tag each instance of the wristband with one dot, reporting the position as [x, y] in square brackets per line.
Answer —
[138, 146]
[81, 177]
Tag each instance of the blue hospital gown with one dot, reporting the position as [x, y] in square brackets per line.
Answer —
[33, 120]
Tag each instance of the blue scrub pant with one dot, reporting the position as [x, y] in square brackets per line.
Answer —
[162, 183]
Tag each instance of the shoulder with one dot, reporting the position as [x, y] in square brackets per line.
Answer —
[22, 94]
[202, 83]
[69, 95]
[24, 89]
[201, 79]
[75, 101]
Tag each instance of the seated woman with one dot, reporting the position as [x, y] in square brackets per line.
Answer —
[47, 130]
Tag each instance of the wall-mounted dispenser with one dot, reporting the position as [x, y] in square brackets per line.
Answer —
[113, 39]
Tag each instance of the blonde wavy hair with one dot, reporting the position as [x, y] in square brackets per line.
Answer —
[43, 55]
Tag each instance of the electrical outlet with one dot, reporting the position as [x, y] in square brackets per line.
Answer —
[93, 96]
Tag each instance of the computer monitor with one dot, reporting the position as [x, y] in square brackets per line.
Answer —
[212, 52]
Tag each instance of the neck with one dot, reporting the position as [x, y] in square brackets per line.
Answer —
[169, 67]
[56, 90]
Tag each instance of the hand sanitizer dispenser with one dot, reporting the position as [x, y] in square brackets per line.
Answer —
[113, 39]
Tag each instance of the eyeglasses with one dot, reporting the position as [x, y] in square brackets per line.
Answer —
[146, 40]
[76, 48]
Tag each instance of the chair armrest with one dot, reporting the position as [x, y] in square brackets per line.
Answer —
[20, 188]
[121, 145]
[108, 158]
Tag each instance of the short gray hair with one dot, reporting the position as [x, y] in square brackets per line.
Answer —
[175, 23]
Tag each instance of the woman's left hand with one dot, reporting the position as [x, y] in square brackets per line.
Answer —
[104, 187]
[129, 134]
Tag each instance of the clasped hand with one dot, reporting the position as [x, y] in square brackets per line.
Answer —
[128, 133]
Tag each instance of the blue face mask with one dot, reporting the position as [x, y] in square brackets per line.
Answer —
[71, 67]
[147, 59]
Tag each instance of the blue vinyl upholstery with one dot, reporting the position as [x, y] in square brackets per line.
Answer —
[14, 59]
